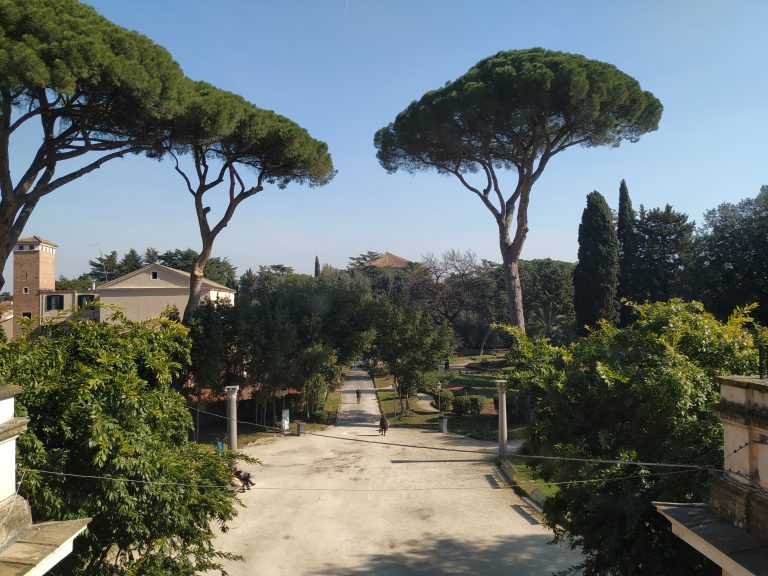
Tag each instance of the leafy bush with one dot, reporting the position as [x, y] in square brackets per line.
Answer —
[443, 399]
[467, 405]
[320, 417]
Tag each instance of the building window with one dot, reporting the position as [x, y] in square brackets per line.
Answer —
[85, 299]
[54, 302]
[27, 314]
[25, 290]
[153, 275]
[21, 246]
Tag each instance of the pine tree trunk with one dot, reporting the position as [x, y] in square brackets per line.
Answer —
[514, 288]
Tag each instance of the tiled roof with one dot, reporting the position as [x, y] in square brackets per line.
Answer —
[389, 260]
[35, 240]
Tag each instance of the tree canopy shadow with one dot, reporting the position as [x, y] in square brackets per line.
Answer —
[528, 555]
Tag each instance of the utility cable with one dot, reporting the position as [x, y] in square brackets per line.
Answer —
[274, 428]
[524, 456]
[336, 489]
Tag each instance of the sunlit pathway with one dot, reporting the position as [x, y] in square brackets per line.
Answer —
[350, 502]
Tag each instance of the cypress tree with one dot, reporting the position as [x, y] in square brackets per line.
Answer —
[317, 267]
[627, 236]
[596, 276]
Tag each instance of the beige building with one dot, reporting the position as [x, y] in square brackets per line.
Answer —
[142, 294]
[732, 529]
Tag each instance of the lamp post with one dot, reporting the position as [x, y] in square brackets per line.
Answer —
[439, 398]
[501, 387]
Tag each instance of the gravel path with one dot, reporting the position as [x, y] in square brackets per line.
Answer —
[347, 501]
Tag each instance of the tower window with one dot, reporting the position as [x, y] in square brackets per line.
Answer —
[153, 275]
[25, 290]
[54, 302]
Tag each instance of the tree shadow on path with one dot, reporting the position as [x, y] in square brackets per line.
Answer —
[521, 556]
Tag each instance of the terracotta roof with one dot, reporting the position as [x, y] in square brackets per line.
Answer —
[35, 240]
[389, 260]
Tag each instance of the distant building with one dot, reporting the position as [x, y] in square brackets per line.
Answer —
[389, 260]
[142, 294]
[732, 529]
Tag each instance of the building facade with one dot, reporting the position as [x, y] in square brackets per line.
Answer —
[732, 528]
[141, 294]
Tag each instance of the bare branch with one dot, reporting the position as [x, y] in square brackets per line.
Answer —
[74, 175]
[181, 172]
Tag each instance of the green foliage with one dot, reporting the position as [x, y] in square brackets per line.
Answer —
[596, 276]
[321, 417]
[443, 399]
[101, 406]
[639, 393]
[533, 99]
[664, 241]
[408, 343]
[548, 296]
[95, 90]
[515, 110]
[627, 237]
[731, 263]
[467, 405]
[82, 283]
[293, 331]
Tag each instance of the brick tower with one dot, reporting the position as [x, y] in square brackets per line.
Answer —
[34, 269]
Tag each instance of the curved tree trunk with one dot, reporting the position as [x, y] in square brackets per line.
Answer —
[196, 278]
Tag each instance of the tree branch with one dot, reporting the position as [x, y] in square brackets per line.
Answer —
[181, 172]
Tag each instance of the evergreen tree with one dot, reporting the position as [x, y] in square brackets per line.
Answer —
[731, 264]
[247, 286]
[104, 268]
[664, 244]
[131, 261]
[627, 237]
[596, 277]
[317, 267]
[151, 255]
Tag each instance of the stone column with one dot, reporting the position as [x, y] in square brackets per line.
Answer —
[232, 415]
[501, 387]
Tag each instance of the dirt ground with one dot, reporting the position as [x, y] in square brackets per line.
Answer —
[347, 501]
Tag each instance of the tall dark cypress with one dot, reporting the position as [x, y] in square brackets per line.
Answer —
[596, 276]
[317, 267]
[627, 235]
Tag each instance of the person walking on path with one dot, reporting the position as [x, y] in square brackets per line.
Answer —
[358, 394]
[383, 425]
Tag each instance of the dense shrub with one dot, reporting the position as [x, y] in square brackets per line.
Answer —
[443, 399]
[467, 405]
[321, 417]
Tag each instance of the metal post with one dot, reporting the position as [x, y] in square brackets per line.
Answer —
[501, 387]
[439, 398]
[232, 415]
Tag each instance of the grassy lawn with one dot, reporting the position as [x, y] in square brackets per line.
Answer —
[331, 406]
[529, 482]
[483, 426]
[465, 356]
[389, 402]
[476, 384]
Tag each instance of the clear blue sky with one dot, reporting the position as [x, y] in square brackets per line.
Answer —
[344, 68]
